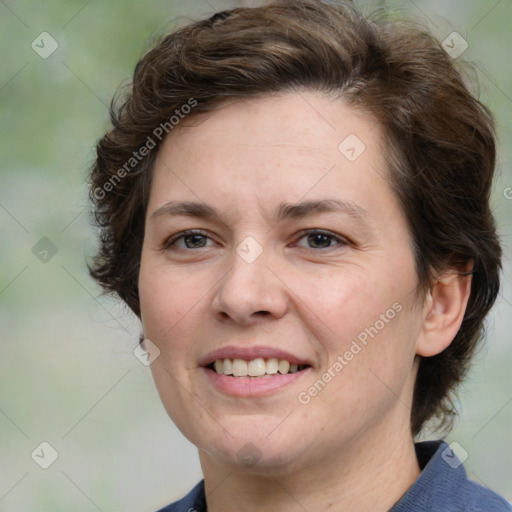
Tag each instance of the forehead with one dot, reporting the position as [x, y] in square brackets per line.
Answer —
[289, 147]
[303, 121]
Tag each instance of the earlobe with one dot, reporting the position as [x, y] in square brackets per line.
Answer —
[444, 310]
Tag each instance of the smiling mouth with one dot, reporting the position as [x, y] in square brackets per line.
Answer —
[258, 367]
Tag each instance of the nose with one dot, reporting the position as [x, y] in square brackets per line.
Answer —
[250, 292]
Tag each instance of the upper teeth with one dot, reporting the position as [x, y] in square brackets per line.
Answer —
[253, 368]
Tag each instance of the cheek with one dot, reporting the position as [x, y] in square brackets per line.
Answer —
[365, 317]
[343, 305]
[166, 299]
[170, 306]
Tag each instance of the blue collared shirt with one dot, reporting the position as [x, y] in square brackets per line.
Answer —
[443, 486]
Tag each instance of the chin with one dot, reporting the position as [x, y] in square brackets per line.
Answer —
[256, 449]
[254, 459]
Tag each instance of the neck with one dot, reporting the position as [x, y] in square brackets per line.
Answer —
[367, 476]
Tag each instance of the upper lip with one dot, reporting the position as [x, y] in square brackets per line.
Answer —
[249, 353]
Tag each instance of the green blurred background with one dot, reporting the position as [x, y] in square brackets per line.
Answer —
[67, 372]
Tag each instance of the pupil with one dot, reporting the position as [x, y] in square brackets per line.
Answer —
[319, 240]
[195, 241]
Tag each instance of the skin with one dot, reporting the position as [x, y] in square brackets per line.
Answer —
[350, 446]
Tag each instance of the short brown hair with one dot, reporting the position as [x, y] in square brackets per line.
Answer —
[440, 143]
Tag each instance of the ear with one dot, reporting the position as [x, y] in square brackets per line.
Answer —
[444, 308]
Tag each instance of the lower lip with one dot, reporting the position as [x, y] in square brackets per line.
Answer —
[251, 386]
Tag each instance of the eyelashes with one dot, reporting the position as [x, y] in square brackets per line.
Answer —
[194, 237]
[321, 239]
[315, 239]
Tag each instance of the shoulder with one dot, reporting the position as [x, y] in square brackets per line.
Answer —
[194, 501]
[465, 493]
[443, 485]
[480, 499]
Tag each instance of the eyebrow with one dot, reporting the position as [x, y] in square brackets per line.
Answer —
[285, 211]
[187, 209]
[303, 209]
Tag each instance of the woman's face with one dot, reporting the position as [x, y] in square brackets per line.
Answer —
[274, 243]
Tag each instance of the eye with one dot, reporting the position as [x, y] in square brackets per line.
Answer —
[192, 239]
[318, 239]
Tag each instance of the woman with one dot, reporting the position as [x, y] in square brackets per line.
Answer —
[295, 202]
